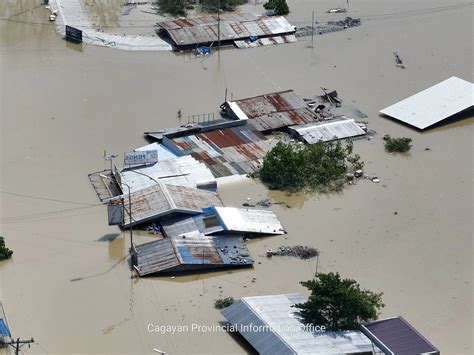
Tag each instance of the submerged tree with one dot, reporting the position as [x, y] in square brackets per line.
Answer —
[5, 253]
[320, 166]
[225, 5]
[338, 304]
[223, 302]
[280, 7]
[173, 7]
[398, 145]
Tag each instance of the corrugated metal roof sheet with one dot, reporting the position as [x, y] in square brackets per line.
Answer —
[182, 171]
[236, 26]
[397, 336]
[273, 111]
[160, 200]
[230, 151]
[434, 104]
[247, 220]
[284, 332]
[326, 131]
[206, 225]
[190, 252]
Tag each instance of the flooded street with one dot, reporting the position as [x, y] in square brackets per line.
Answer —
[69, 283]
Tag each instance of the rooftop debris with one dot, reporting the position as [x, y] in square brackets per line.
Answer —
[190, 32]
[287, 334]
[435, 104]
[188, 252]
[302, 252]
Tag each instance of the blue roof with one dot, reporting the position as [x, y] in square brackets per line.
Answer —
[4, 332]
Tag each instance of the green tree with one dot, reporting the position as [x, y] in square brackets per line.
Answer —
[173, 7]
[398, 145]
[320, 166]
[279, 6]
[223, 302]
[5, 253]
[226, 5]
[338, 304]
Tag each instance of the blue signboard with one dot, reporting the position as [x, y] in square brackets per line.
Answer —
[73, 34]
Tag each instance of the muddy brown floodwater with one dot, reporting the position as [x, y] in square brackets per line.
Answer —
[69, 284]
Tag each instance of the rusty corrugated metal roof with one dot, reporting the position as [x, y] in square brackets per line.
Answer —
[232, 27]
[229, 151]
[275, 110]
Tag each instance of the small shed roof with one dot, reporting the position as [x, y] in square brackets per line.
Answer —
[161, 200]
[279, 330]
[327, 131]
[273, 111]
[191, 252]
[204, 29]
[182, 171]
[434, 104]
[397, 336]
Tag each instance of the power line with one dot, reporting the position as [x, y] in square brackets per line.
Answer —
[46, 198]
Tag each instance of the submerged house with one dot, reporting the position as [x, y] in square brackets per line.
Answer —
[231, 29]
[271, 325]
[218, 220]
[192, 251]
[434, 104]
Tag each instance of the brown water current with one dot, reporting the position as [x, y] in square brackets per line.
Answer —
[69, 284]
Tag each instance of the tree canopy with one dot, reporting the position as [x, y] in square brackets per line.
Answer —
[398, 145]
[338, 304]
[5, 253]
[279, 6]
[320, 166]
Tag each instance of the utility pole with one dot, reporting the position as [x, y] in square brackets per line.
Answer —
[312, 30]
[219, 25]
[18, 343]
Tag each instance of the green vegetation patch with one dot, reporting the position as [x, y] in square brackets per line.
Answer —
[321, 166]
[280, 7]
[398, 145]
[338, 304]
[223, 302]
[5, 253]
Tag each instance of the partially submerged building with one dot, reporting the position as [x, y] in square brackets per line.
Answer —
[272, 326]
[233, 29]
[192, 251]
[395, 336]
[218, 220]
[435, 104]
[161, 201]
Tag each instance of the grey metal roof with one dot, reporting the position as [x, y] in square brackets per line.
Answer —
[160, 200]
[182, 171]
[197, 30]
[283, 332]
[397, 336]
[200, 223]
[266, 41]
[191, 252]
[273, 111]
[163, 152]
[326, 131]
[434, 104]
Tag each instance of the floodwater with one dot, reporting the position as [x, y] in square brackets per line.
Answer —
[69, 284]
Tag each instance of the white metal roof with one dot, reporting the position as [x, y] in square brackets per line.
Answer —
[286, 333]
[249, 220]
[163, 152]
[434, 104]
[327, 131]
[183, 171]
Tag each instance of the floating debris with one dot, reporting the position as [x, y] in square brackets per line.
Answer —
[302, 252]
[336, 10]
[398, 60]
[331, 26]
